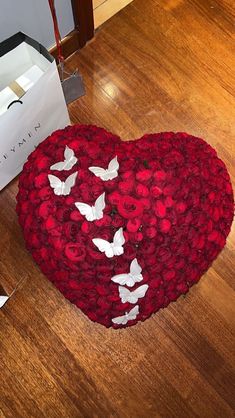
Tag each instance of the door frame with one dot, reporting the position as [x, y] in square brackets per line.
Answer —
[84, 20]
[83, 28]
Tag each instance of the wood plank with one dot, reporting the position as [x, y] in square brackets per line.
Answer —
[106, 9]
[155, 66]
[97, 3]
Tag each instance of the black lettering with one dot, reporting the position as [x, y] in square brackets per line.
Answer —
[21, 143]
[30, 134]
[13, 149]
[37, 127]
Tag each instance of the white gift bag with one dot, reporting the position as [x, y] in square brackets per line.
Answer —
[32, 103]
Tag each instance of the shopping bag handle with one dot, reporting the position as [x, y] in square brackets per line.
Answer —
[14, 101]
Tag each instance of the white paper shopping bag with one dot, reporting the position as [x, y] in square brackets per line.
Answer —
[29, 80]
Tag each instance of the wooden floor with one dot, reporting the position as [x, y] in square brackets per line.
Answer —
[157, 65]
[105, 9]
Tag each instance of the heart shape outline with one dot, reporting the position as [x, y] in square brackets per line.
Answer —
[192, 197]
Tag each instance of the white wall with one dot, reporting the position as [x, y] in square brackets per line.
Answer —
[33, 17]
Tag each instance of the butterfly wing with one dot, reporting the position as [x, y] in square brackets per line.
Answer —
[56, 184]
[70, 158]
[104, 246]
[108, 174]
[69, 183]
[99, 206]
[98, 171]
[68, 163]
[124, 294]
[133, 313]
[120, 320]
[85, 210]
[137, 294]
[58, 166]
[122, 279]
[114, 164]
[135, 271]
[112, 170]
[118, 242]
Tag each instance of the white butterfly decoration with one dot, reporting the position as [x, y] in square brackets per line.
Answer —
[92, 213]
[132, 297]
[129, 279]
[69, 160]
[62, 188]
[106, 174]
[127, 317]
[111, 248]
[3, 300]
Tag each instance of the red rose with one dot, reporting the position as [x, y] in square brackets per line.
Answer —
[216, 214]
[104, 276]
[169, 202]
[182, 288]
[128, 165]
[156, 191]
[117, 221]
[105, 221]
[169, 190]
[133, 224]
[149, 220]
[35, 241]
[213, 236]
[173, 159]
[57, 243]
[41, 180]
[148, 247]
[51, 223]
[25, 207]
[94, 151]
[75, 215]
[45, 193]
[62, 276]
[146, 203]
[144, 175]
[151, 232]
[138, 236]
[63, 213]
[85, 193]
[111, 185]
[160, 209]
[128, 207]
[45, 209]
[159, 175]
[125, 187]
[165, 225]
[122, 266]
[130, 252]
[128, 175]
[142, 190]
[114, 198]
[70, 230]
[168, 275]
[43, 163]
[97, 190]
[75, 252]
[69, 201]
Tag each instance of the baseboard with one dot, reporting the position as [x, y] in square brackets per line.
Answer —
[70, 44]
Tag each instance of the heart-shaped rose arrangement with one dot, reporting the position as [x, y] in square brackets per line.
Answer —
[124, 228]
